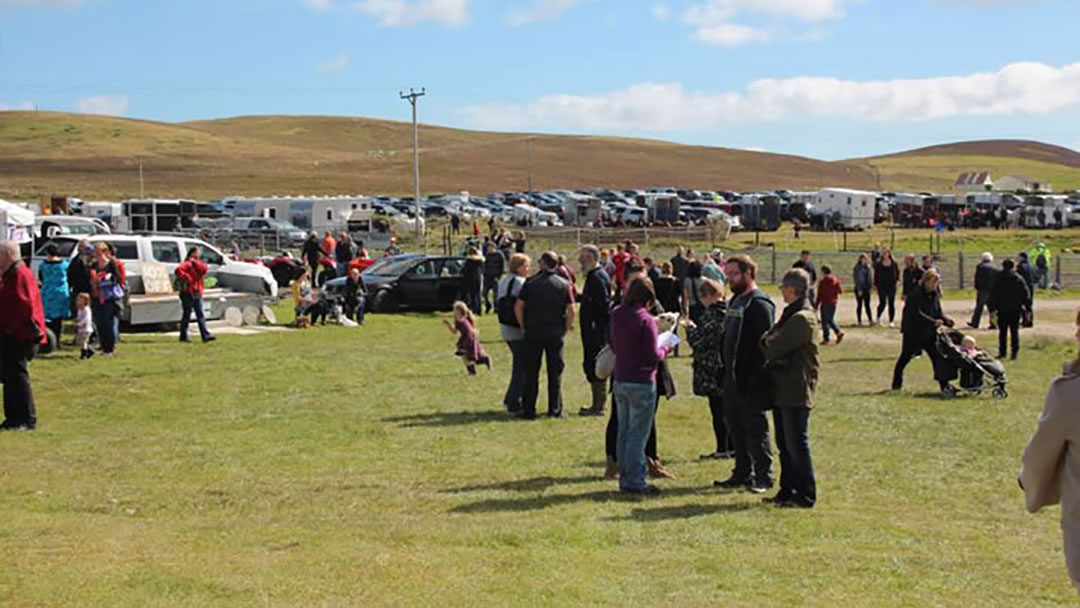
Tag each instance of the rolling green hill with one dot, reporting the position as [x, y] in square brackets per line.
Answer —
[98, 157]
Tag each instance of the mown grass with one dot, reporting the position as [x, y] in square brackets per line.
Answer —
[335, 467]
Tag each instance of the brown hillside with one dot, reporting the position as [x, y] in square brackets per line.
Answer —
[97, 157]
[1012, 148]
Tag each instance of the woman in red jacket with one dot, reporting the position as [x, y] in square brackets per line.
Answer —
[190, 274]
[22, 330]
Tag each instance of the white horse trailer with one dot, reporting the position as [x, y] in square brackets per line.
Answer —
[847, 209]
[318, 214]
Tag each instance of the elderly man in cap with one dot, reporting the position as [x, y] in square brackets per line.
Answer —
[22, 330]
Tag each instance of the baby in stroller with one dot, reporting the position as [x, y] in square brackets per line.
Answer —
[962, 358]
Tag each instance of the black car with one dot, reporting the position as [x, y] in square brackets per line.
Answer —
[414, 282]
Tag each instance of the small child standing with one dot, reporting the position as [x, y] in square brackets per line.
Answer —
[83, 325]
[828, 296]
[468, 344]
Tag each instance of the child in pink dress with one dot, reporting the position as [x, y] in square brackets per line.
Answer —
[468, 344]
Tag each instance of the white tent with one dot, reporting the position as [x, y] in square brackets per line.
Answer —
[16, 222]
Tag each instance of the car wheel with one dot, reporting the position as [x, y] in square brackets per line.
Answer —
[385, 302]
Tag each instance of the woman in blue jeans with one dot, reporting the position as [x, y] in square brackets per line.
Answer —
[633, 340]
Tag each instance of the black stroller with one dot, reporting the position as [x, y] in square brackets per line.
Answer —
[976, 372]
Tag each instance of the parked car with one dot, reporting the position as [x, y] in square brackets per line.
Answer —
[413, 282]
[284, 232]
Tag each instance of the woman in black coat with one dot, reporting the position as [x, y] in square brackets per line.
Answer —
[706, 337]
[922, 318]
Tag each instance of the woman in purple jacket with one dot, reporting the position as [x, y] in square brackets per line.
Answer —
[633, 340]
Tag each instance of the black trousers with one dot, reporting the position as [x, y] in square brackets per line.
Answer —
[1008, 324]
[534, 352]
[748, 429]
[982, 299]
[491, 291]
[716, 408]
[611, 436]
[908, 350]
[862, 302]
[887, 297]
[796, 467]
[15, 376]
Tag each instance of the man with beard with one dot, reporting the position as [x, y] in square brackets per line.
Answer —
[749, 316]
[594, 314]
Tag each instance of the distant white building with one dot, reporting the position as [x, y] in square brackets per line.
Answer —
[974, 182]
[1021, 183]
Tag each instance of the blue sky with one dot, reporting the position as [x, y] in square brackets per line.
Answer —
[823, 78]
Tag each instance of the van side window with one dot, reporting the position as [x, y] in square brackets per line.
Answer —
[166, 252]
[126, 250]
[329, 215]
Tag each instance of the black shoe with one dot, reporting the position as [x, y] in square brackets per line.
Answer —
[556, 415]
[648, 490]
[526, 416]
[1001, 355]
[795, 503]
[781, 497]
[717, 455]
[731, 483]
[186, 340]
[210, 339]
[972, 325]
[588, 411]
[759, 487]
[1014, 356]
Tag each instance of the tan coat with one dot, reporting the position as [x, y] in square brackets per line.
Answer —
[1051, 470]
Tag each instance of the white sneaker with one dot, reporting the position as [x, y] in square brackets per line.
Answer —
[892, 324]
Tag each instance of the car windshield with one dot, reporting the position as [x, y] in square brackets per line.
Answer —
[280, 225]
[393, 267]
[64, 247]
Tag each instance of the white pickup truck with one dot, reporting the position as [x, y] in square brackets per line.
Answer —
[239, 284]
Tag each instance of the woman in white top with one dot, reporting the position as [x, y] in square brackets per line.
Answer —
[505, 296]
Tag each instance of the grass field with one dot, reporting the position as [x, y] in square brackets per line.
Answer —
[97, 157]
[336, 467]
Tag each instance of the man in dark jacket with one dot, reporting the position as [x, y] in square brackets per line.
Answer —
[1031, 277]
[1010, 297]
[594, 314]
[22, 330]
[344, 253]
[805, 263]
[494, 267]
[545, 310]
[78, 273]
[472, 276]
[922, 318]
[985, 275]
[312, 253]
[749, 316]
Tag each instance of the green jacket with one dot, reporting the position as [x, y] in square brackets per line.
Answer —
[792, 352]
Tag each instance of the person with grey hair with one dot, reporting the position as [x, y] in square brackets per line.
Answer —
[594, 316]
[985, 275]
[791, 357]
[22, 330]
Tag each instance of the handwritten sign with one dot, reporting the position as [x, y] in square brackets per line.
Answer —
[157, 280]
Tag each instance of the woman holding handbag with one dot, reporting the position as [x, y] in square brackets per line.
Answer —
[706, 337]
[107, 293]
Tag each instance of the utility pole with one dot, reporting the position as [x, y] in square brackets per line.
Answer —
[142, 190]
[412, 98]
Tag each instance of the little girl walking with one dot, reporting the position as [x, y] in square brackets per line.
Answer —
[468, 344]
[83, 325]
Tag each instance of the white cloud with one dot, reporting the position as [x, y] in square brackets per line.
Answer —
[541, 10]
[714, 23]
[1018, 88]
[110, 105]
[661, 12]
[25, 105]
[730, 34]
[396, 13]
[336, 64]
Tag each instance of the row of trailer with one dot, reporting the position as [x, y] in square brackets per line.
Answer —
[985, 209]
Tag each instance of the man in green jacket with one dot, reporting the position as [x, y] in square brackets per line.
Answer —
[791, 355]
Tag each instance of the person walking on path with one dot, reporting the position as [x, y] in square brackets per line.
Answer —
[545, 310]
[594, 315]
[804, 262]
[1051, 466]
[863, 280]
[22, 331]
[706, 337]
[468, 344]
[505, 297]
[828, 297]
[1010, 297]
[886, 278]
[793, 366]
[190, 275]
[985, 276]
[921, 319]
[1030, 276]
[1041, 254]
[912, 276]
[55, 295]
[494, 267]
[312, 253]
[633, 340]
[749, 316]
[455, 224]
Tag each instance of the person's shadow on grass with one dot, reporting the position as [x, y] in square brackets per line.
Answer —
[553, 500]
[534, 484]
[437, 419]
[684, 511]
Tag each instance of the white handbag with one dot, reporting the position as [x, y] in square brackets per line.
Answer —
[605, 363]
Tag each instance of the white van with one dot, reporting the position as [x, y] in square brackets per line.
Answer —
[847, 209]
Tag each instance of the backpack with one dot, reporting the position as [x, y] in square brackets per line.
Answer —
[504, 306]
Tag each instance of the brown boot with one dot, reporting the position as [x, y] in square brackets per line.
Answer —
[612, 471]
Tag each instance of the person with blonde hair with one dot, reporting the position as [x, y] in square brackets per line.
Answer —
[706, 337]
[468, 344]
[505, 297]
[1051, 465]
